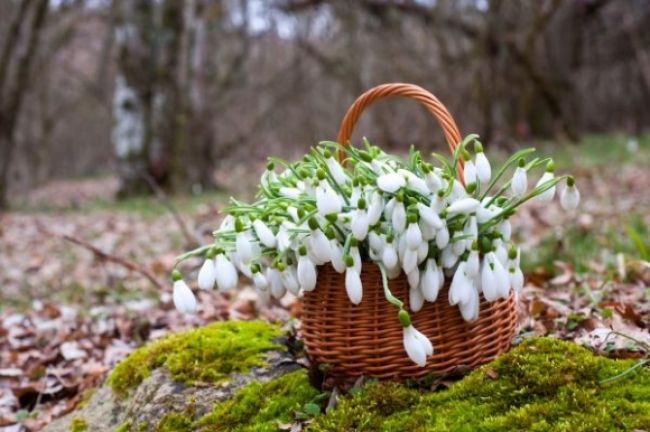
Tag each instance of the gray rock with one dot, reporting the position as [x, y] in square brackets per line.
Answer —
[159, 394]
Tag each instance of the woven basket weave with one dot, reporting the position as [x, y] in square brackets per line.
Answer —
[367, 339]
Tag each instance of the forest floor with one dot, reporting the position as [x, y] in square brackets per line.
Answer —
[68, 314]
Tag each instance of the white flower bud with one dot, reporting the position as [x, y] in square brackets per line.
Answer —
[519, 183]
[264, 233]
[390, 182]
[353, 285]
[399, 217]
[548, 194]
[206, 276]
[430, 282]
[414, 347]
[306, 273]
[469, 172]
[483, 169]
[225, 273]
[463, 206]
[183, 298]
[570, 197]
[416, 301]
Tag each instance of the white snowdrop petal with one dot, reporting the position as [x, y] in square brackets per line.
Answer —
[488, 281]
[206, 277]
[442, 237]
[469, 172]
[353, 285]
[399, 217]
[548, 194]
[264, 233]
[516, 279]
[375, 209]
[410, 261]
[183, 298]
[429, 281]
[424, 341]
[225, 273]
[464, 206]
[413, 347]
[483, 169]
[390, 182]
[336, 170]
[359, 225]
[519, 183]
[306, 273]
[416, 301]
[413, 236]
[389, 256]
[570, 198]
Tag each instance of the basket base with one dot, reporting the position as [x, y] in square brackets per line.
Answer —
[348, 341]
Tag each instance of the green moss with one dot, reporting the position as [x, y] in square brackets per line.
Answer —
[208, 354]
[174, 422]
[78, 425]
[541, 385]
[260, 407]
[124, 427]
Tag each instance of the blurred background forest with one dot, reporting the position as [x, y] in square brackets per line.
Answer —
[166, 92]
[125, 125]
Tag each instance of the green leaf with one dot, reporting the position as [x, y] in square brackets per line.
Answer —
[311, 409]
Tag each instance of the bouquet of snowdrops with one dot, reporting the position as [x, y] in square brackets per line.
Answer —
[402, 215]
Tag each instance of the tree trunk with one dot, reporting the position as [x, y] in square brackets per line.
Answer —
[12, 91]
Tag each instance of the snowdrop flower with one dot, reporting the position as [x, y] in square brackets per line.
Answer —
[353, 282]
[442, 237]
[183, 298]
[416, 301]
[375, 241]
[225, 273]
[471, 228]
[390, 182]
[335, 168]
[207, 275]
[413, 278]
[458, 244]
[306, 270]
[259, 280]
[469, 172]
[355, 254]
[570, 196]
[461, 286]
[290, 192]
[416, 345]
[264, 233]
[430, 281]
[449, 258]
[516, 278]
[483, 169]
[389, 255]
[327, 200]
[283, 238]
[433, 181]
[243, 246]
[375, 208]
[398, 218]
[484, 214]
[428, 232]
[423, 252]
[414, 182]
[500, 274]
[319, 243]
[548, 175]
[488, 280]
[359, 225]
[290, 280]
[336, 255]
[413, 233]
[472, 265]
[519, 183]
[429, 216]
[409, 260]
[274, 277]
[438, 203]
[470, 309]
[463, 206]
[505, 229]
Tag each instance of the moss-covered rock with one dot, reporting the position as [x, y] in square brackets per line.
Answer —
[259, 407]
[541, 385]
[208, 354]
[236, 377]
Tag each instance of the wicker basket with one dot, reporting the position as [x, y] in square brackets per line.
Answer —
[367, 339]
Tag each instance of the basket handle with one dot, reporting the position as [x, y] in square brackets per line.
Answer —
[411, 91]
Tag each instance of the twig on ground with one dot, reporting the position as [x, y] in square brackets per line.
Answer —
[192, 239]
[104, 255]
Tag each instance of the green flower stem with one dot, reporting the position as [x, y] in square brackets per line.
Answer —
[389, 295]
[532, 194]
[530, 166]
[512, 160]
